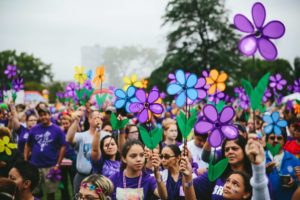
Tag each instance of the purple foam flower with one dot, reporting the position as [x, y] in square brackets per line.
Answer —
[71, 90]
[267, 95]
[87, 84]
[245, 102]
[289, 105]
[228, 99]
[219, 124]
[200, 87]
[54, 175]
[18, 84]
[60, 95]
[259, 36]
[216, 97]
[239, 91]
[146, 105]
[277, 82]
[279, 99]
[10, 71]
[296, 85]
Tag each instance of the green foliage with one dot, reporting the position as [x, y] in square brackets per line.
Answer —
[53, 89]
[202, 38]
[30, 68]
[151, 139]
[33, 86]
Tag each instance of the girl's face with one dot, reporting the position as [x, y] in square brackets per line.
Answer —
[171, 133]
[233, 152]
[234, 188]
[110, 147]
[135, 158]
[133, 133]
[65, 124]
[86, 193]
[31, 122]
[168, 158]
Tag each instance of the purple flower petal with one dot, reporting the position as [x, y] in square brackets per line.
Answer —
[135, 107]
[272, 78]
[282, 82]
[215, 138]
[153, 96]
[203, 127]
[227, 114]
[258, 14]
[267, 49]
[248, 45]
[200, 83]
[143, 116]
[230, 131]
[201, 94]
[141, 95]
[156, 108]
[210, 112]
[272, 84]
[278, 77]
[279, 87]
[274, 29]
[243, 24]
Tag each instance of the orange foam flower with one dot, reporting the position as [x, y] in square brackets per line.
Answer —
[297, 109]
[216, 81]
[99, 77]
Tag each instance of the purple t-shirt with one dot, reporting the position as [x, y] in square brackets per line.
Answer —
[109, 167]
[45, 142]
[205, 189]
[23, 134]
[148, 185]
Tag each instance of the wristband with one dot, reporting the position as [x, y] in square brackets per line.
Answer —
[189, 184]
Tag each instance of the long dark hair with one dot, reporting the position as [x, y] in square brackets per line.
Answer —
[175, 149]
[126, 147]
[104, 155]
[240, 141]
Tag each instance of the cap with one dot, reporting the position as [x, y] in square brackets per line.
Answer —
[43, 109]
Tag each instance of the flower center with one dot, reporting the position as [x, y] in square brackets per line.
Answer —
[146, 105]
[258, 34]
[217, 124]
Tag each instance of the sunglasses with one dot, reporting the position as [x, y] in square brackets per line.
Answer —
[279, 138]
[166, 156]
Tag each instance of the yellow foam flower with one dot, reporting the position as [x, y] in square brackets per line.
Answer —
[144, 83]
[216, 81]
[131, 81]
[297, 109]
[6, 146]
[99, 77]
[80, 75]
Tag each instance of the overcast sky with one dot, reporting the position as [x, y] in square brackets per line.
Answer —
[56, 30]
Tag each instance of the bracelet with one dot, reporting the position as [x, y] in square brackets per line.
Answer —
[189, 184]
[159, 180]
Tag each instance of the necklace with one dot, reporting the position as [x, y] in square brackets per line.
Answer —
[125, 186]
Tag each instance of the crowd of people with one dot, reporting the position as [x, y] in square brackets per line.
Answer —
[77, 153]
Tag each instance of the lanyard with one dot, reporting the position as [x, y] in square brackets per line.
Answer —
[125, 186]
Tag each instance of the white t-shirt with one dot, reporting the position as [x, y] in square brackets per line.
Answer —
[196, 154]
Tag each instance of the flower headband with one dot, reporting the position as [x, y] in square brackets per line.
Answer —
[91, 187]
[274, 123]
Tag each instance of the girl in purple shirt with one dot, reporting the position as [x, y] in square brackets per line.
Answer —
[132, 182]
[105, 157]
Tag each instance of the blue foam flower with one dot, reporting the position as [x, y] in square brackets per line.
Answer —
[125, 98]
[184, 87]
[274, 123]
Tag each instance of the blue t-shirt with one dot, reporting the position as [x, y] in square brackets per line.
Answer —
[70, 151]
[3, 122]
[174, 189]
[23, 134]
[148, 185]
[45, 142]
[109, 167]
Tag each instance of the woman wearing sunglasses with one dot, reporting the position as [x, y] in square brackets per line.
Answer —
[280, 167]
[170, 158]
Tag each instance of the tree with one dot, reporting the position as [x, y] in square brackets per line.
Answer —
[202, 39]
[297, 67]
[53, 89]
[30, 68]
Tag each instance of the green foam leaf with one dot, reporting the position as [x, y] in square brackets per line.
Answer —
[274, 150]
[247, 86]
[117, 124]
[215, 171]
[220, 106]
[151, 141]
[4, 106]
[100, 99]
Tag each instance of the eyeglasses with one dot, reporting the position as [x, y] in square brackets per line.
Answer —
[166, 156]
[279, 138]
[80, 196]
